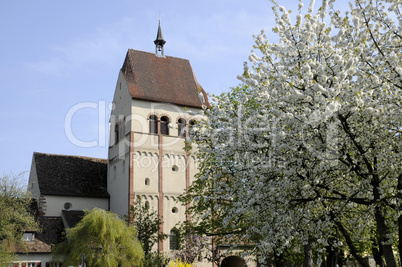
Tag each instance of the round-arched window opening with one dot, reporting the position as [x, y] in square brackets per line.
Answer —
[181, 127]
[165, 125]
[68, 205]
[147, 182]
[191, 124]
[153, 124]
[147, 204]
[174, 239]
[175, 210]
[175, 168]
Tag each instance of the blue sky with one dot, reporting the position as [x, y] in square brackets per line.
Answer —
[57, 54]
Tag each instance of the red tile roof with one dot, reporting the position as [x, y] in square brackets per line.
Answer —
[162, 79]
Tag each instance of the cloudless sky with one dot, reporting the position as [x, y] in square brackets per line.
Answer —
[56, 56]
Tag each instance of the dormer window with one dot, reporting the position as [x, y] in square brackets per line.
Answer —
[153, 124]
[181, 127]
[28, 237]
[165, 125]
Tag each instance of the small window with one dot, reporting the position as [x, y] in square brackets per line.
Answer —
[175, 210]
[174, 239]
[153, 124]
[147, 204]
[119, 130]
[181, 127]
[147, 182]
[67, 205]
[122, 129]
[165, 125]
[116, 133]
[175, 168]
[29, 237]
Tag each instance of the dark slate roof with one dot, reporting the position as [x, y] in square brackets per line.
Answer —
[162, 79]
[71, 175]
[72, 217]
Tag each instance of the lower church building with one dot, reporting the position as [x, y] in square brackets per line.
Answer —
[157, 99]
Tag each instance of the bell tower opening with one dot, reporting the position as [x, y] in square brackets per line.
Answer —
[159, 42]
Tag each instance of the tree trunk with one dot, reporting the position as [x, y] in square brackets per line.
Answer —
[331, 257]
[279, 260]
[383, 239]
[308, 255]
[399, 195]
[376, 250]
[350, 244]
[341, 259]
[382, 230]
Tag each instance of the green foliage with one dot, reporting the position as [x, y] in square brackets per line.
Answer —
[147, 223]
[104, 238]
[154, 259]
[192, 246]
[206, 217]
[15, 216]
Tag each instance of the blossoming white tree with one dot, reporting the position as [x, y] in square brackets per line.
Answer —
[311, 151]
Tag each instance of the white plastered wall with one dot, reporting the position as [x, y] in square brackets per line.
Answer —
[118, 158]
[33, 186]
[55, 204]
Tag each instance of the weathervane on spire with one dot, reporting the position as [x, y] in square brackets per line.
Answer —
[159, 42]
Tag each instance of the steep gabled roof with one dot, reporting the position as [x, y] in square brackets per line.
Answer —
[71, 175]
[162, 79]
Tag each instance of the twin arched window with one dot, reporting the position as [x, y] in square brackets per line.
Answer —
[164, 125]
[153, 125]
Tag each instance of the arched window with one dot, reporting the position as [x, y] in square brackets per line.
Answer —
[165, 125]
[191, 125]
[174, 239]
[153, 124]
[181, 127]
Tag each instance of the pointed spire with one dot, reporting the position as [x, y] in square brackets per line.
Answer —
[159, 42]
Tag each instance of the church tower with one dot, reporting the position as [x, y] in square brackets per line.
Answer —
[154, 97]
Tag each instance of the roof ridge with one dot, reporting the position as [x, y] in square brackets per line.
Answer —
[70, 156]
[157, 56]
